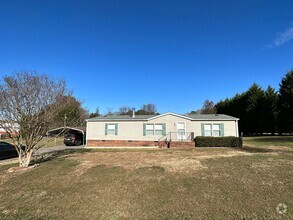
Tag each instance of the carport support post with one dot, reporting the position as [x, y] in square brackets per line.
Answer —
[47, 140]
[83, 143]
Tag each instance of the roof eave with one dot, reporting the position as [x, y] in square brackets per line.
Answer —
[218, 119]
[96, 120]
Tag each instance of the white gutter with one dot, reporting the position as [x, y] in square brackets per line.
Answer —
[215, 119]
[236, 127]
[86, 129]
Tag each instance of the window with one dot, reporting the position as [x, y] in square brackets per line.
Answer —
[215, 130]
[111, 129]
[158, 129]
[181, 127]
[154, 129]
[150, 129]
[207, 130]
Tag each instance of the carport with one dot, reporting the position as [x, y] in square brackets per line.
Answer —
[63, 130]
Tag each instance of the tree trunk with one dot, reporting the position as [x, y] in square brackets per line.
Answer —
[25, 159]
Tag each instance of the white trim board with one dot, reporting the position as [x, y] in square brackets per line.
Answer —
[170, 113]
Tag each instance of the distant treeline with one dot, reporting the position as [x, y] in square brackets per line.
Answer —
[262, 111]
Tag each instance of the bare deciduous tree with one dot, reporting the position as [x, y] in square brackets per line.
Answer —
[208, 107]
[109, 111]
[125, 110]
[150, 108]
[29, 104]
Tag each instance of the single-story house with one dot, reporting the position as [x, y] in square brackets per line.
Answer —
[150, 130]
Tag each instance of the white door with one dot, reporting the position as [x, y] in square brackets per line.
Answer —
[181, 131]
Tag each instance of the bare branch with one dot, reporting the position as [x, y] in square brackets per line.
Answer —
[29, 104]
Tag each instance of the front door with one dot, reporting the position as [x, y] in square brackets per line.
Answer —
[181, 131]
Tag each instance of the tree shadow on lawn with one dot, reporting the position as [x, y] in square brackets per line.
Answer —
[264, 139]
[250, 149]
[45, 157]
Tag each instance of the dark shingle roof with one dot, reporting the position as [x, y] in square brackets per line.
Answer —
[146, 117]
[121, 117]
[211, 117]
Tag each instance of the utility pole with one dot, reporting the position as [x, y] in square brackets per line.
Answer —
[65, 117]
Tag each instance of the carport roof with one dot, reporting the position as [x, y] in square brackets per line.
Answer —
[80, 129]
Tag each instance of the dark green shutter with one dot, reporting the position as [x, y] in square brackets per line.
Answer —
[202, 129]
[144, 129]
[106, 129]
[222, 129]
[164, 129]
[116, 129]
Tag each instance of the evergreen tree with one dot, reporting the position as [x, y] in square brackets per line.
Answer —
[262, 111]
[269, 109]
[96, 113]
[255, 97]
[285, 104]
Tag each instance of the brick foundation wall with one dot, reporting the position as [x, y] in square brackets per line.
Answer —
[125, 143]
[178, 144]
[120, 143]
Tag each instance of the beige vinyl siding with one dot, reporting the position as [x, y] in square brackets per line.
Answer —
[133, 130]
[194, 126]
[130, 130]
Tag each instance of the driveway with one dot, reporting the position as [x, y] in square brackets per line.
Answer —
[42, 151]
[46, 150]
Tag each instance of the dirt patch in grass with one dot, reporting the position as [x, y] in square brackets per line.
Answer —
[84, 167]
[10, 171]
[173, 161]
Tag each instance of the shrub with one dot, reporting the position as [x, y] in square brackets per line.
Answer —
[218, 141]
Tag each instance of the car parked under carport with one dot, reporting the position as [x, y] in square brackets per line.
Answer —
[73, 136]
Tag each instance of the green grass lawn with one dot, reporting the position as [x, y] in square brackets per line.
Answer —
[202, 183]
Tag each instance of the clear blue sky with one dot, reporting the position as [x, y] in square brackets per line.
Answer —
[174, 54]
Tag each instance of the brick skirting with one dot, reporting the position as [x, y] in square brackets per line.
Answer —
[184, 144]
[126, 143]
[120, 143]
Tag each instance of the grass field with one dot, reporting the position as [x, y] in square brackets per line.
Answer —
[202, 183]
[269, 141]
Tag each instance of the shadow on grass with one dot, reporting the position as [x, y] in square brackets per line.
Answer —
[45, 157]
[264, 139]
[249, 149]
